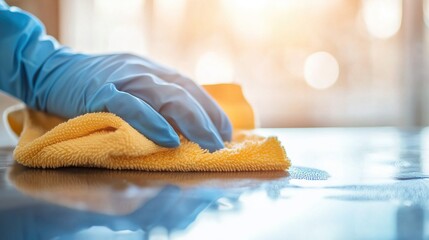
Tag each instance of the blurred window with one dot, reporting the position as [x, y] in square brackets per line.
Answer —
[302, 63]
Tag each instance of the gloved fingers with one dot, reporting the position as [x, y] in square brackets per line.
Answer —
[186, 115]
[215, 112]
[138, 64]
[136, 112]
[177, 106]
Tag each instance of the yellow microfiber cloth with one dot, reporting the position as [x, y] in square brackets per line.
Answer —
[106, 141]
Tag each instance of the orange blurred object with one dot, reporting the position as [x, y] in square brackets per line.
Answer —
[230, 97]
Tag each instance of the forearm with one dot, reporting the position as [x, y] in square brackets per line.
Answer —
[25, 48]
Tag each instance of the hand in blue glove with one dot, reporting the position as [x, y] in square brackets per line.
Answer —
[153, 99]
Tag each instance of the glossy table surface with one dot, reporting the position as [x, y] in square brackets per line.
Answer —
[345, 183]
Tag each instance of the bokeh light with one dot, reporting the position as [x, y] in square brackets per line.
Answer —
[213, 67]
[321, 70]
[382, 17]
[267, 46]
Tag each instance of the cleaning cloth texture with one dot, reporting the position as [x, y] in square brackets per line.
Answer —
[104, 140]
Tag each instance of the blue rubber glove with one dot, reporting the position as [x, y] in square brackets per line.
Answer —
[153, 99]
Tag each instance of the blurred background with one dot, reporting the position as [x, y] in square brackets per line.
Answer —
[301, 63]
